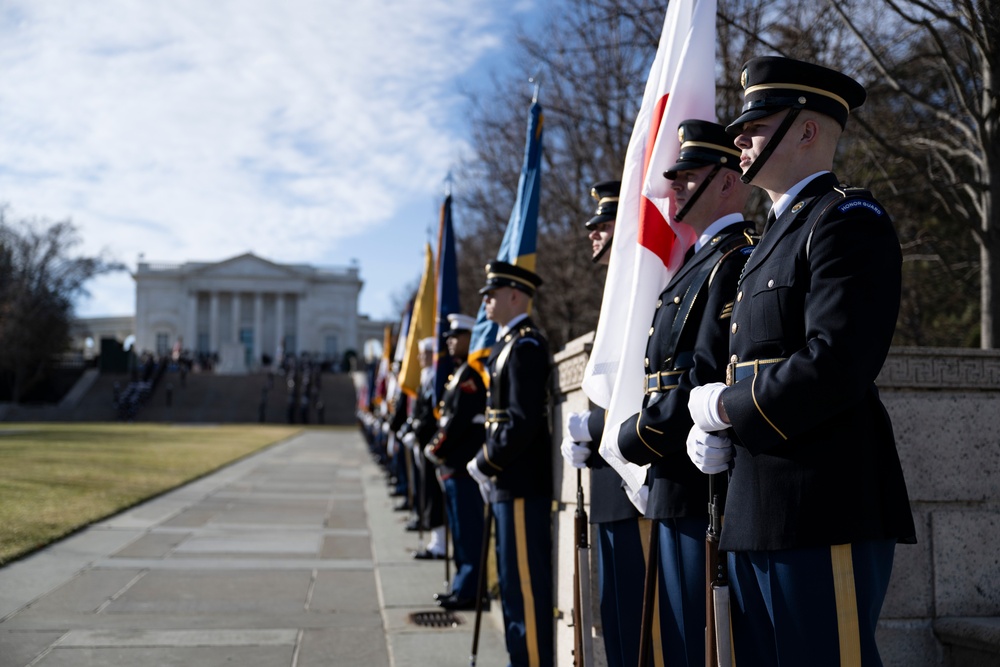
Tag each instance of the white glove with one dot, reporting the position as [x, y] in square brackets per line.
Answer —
[703, 404]
[576, 426]
[444, 421]
[390, 445]
[484, 482]
[709, 452]
[385, 427]
[431, 456]
[575, 454]
[410, 440]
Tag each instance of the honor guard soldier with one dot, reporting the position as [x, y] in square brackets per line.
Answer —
[428, 500]
[817, 499]
[688, 346]
[621, 559]
[461, 434]
[514, 466]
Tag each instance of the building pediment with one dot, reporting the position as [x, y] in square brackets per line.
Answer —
[246, 266]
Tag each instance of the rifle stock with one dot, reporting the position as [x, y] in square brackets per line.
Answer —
[717, 645]
[481, 583]
[582, 642]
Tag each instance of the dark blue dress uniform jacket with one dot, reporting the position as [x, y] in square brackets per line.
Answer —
[658, 433]
[519, 451]
[461, 433]
[815, 457]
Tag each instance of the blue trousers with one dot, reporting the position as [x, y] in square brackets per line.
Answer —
[682, 591]
[465, 521]
[524, 568]
[621, 570]
[816, 606]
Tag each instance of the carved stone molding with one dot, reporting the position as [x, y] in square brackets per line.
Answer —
[941, 368]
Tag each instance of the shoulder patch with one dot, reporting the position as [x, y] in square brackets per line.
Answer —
[747, 250]
[852, 204]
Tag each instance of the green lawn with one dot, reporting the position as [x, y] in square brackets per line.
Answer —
[55, 478]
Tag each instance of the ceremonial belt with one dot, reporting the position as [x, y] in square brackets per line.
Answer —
[663, 381]
[497, 416]
[736, 371]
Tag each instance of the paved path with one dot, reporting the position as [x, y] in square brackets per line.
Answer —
[291, 557]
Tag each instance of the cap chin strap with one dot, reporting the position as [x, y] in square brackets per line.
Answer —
[776, 138]
[603, 251]
[697, 193]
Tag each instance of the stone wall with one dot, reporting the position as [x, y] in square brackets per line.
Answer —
[943, 605]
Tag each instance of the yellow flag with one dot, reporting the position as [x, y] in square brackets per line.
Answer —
[421, 326]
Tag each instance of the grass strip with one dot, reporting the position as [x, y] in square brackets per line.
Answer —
[56, 478]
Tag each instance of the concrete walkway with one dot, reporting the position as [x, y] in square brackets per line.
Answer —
[291, 557]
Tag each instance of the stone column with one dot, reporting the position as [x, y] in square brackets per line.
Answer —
[236, 317]
[258, 327]
[191, 334]
[300, 330]
[213, 322]
[279, 316]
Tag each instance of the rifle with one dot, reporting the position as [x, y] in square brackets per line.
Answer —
[583, 654]
[481, 584]
[649, 594]
[718, 650]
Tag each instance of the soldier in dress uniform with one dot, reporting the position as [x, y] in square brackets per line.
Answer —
[514, 466]
[817, 499]
[428, 502]
[688, 346]
[620, 528]
[461, 434]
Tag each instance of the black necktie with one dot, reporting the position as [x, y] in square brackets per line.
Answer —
[770, 220]
[689, 254]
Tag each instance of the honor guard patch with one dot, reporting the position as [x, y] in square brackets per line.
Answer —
[863, 203]
[747, 250]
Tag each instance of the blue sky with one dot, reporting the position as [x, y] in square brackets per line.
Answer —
[305, 131]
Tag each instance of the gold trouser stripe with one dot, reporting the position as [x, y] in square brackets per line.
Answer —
[847, 605]
[645, 527]
[524, 574]
[753, 393]
[732, 642]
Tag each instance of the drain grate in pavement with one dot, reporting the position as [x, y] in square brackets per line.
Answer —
[435, 619]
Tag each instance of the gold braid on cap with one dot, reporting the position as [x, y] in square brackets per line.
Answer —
[794, 86]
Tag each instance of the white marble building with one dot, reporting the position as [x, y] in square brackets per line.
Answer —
[245, 307]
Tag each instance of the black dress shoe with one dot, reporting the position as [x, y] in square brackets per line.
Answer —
[395, 493]
[442, 596]
[427, 555]
[413, 526]
[456, 604]
[401, 507]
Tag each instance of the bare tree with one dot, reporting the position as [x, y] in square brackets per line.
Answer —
[592, 60]
[936, 62]
[38, 283]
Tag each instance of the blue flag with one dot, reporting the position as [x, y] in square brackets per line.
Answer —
[447, 299]
[521, 236]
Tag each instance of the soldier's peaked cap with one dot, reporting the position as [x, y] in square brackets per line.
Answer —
[772, 83]
[458, 323]
[606, 193]
[703, 143]
[503, 274]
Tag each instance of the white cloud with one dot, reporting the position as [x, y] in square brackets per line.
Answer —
[303, 130]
